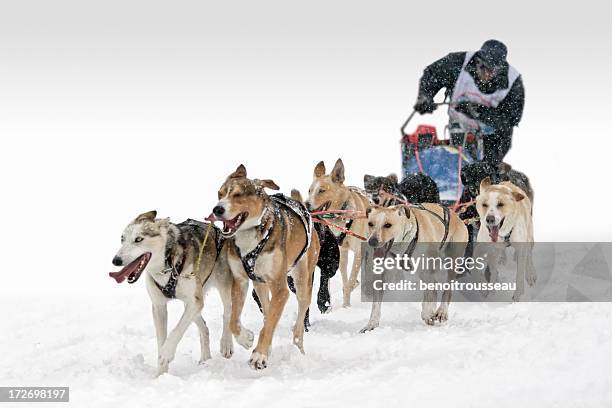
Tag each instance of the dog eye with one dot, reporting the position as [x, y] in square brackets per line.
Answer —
[387, 225]
[485, 205]
[138, 239]
[500, 205]
[321, 191]
[370, 224]
[237, 194]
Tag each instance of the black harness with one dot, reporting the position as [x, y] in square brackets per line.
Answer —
[169, 289]
[445, 220]
[413, 242]
[176, 268]
[278, 201]
[248, 261]
[340, 238]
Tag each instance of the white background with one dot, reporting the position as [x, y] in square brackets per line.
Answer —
[110, 109]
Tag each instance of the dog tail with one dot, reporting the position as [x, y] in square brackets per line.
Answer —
[295, 195]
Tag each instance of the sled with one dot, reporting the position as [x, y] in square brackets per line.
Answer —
[440, 158]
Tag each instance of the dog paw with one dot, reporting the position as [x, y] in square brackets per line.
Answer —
[531, 278]
[441, 315]
[429, 317]
[368, 327]
[166, 355]
[346, 299]
[517, 296]
[162, 369]
[227, 346]
[298, 341]
[324, 307]
[245, 338]
[258, 361]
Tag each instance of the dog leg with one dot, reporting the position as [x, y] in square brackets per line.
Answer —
[292, 289]
[168, 350]
[323, 298]
[376, 308]
[428, 307]
[264, 296]
[353, 281]
[303, 285]
[280, 294]
[346, 292]
[531, 272]
[521, 265]
[243, 336]
[227, 342]
[204, 339]
[442, 312]
[160, 320]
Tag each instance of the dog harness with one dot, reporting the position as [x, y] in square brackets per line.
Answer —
[444, 220]
[196, 229]
[340, 238]
[279, 201]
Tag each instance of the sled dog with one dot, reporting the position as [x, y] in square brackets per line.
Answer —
[269, 238]
[168, 254]
[412, 225]
[505, 217]
[328, 192]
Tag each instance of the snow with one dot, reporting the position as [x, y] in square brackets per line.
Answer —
[103, 347]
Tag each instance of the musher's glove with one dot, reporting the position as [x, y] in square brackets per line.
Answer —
[425, 105]
[470, 109]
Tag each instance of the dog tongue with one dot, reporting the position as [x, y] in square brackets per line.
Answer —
[494, 233]
[380, 252]
[125, 272]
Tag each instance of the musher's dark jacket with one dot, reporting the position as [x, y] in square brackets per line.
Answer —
[444, 73]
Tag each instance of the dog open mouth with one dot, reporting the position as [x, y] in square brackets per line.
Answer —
[133, 270]
[231, 226]
[383, 250]
[494, 230]
[323, 207]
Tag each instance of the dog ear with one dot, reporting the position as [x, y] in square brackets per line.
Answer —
[148, 216]
[239, 173]
[368, 180]
[296, 195]
[337, 173]
[164, 222]
[504, 168]
[393, 178]
[485, 183]
[267, 183]
[319, 170]
[517, 196]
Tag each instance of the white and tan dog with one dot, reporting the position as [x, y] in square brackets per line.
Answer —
[271, 238]
[168, 254]
[505, 213]
[328, 192]
[440, 233]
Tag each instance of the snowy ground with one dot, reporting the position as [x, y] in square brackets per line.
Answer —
[516, 355]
